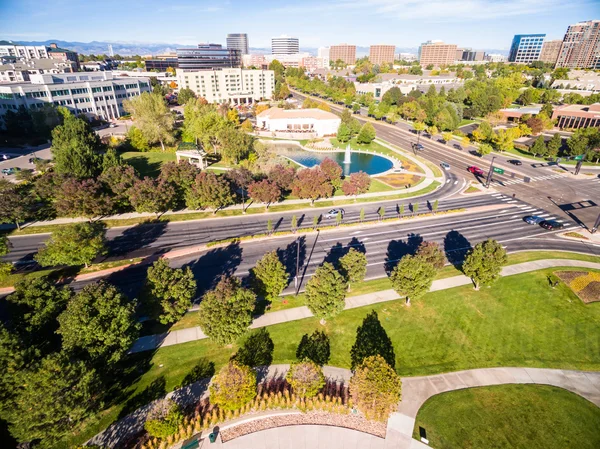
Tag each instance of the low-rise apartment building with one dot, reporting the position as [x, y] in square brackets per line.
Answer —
[575, 116]
[97, 94]
[19, 72]
[237, 86]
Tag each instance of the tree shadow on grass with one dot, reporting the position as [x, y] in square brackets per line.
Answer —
[144, 167]
[397, 249]
[155, 390]
[372, 339]
[456, 247]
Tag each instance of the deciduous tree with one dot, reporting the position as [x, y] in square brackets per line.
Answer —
[325, 292]
[344, 133]
[332, 171]
[233, 386]
[226, 311]
[264, 191]
[282, 176]
[485, 148]
[375, 388]
[412, 277]
[268, 277]
[164, 419]
[171, 288]
[484, 262]
[151, 195]
[83, 198]
[99, 322]
[312, 184]
[539, 147]
[74, 244]
[356, 184]
[432, 253]
[353, 266]
[152, 117]
[185, 95]
[209, 190]
[367, 134]
[306, 378]
[119, 180]
[554, 145]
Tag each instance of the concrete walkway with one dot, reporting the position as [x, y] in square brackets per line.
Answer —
[298, 313]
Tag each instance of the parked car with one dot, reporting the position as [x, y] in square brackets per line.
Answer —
[333, 213]
[475, 170]
[112, 125]
[8, 171]
[533, 219]
[445, 166]
[551, 225]
[515, 162]
[398, 170]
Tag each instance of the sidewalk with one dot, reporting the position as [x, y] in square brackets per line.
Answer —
[151, 342]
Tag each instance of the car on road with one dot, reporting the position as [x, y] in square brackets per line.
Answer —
[333, 213]
[4, 156]
[8, 171]
[112, 125]
[457, 146]
[515, 162]
[551, 225]
[475, 170]
[533, 219]
[445, 166]
[419, 147]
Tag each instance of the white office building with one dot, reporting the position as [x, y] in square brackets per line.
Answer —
[285, 45]
[292, 60]
[19, 72]
[13, 49]
[237, 86]
[317, 121]
[323, 53]
[96, 94]
[238, 41]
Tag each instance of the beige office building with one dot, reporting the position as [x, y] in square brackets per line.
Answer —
[437, 53]
[344, 52]
[382, 54]
[581, 46]
[550, 51]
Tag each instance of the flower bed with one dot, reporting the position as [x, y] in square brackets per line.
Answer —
[586, 285]
[348, 421]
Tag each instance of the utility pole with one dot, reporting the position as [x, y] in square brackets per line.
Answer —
[596, 225]
[243, 202]
[297, 265]
[489, 176]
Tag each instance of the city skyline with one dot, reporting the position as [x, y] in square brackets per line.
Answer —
[405, 23]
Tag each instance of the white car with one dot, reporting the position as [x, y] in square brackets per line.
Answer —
[4, 156]
[445, 166]
[333, 213]
[112, 125]
[398, 170]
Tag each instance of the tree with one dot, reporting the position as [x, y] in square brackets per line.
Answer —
[37, 302]
[82, 198]
[152, 117]
[306, 378]
[484, 262]
[247, 126]
[74, 244]
[577, 144]
[554, 145]
[356, 184]
[264, 191]
[371, 339]
[432, 253]
[268, 277]
[503, 140]
[164, 419]
[344, 133]
[535, 124]
[14, 204]
[353, 266]
[419, 127]
[332, 171]
[311, 183]
[257, 349]
[226, 311]
[5, 267]
[325, 292]
[234, 144]
[485, 148]
[185, 95]
[282, 176]
[539, 147]
[56, 397]
[233, 386]
[137, 140]
[151, 195]
[233, 116]
[172, 288]
[483, 132]
[209, 190]
[447, 137]
[375, 388]
[412, 277]
[314, 347]
[111, 159]
[75, 147]
[181, 175]
[367, 134]
[100, 322]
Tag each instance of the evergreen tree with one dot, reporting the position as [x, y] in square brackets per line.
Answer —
[371, 339]
[314, 347]
[554, 145]
[344, 133]
[539, 147]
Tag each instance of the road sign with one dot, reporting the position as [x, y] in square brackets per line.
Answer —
[498, 170]
[579, 158]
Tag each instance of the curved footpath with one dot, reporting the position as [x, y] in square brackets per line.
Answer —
[415, 391]
[151, 342]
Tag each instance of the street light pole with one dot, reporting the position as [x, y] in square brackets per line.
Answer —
[243, 202]
[297, 265]
[489, 176]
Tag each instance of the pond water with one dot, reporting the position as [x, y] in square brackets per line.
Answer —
[369, 163]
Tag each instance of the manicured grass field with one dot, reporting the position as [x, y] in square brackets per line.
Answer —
[511, 417]
[147, 164]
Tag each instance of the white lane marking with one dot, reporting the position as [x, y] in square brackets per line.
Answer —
[355, 232]
[513, 201]
[516, 229]
[447, 181]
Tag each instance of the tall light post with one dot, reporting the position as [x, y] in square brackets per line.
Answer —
[489, 176]
[297, 265]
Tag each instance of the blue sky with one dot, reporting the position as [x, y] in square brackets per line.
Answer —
[481, 24]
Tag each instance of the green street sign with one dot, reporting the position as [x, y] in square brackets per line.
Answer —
[579, 158]
[498, 170]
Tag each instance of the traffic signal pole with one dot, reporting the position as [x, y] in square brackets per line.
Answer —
[489, 176]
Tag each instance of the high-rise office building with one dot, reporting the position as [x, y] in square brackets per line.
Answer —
[238, 41]
[437, 53]
[467, 54]
[285, 45]
[581, 46]
[207, 57]
[382, 54]
[550, 51]
[323, 53]
[343, 52]
[526, 48]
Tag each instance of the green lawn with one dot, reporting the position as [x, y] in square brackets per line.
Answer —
[147, 164]
[510, 416]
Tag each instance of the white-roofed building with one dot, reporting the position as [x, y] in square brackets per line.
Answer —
[315, 121]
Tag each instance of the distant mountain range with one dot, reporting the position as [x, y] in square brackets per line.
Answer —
[145, 48]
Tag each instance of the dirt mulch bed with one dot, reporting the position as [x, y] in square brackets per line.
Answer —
[586, 285]
[398, 180]
[353, 422]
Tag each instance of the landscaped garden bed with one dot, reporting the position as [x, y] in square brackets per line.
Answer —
[585, 284]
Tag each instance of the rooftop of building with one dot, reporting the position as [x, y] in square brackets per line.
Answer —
[579, 108]
[59, 50]
[280, 113]
[35, 64]
[523, 110]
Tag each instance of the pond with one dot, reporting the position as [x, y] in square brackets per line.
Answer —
[371, 164]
